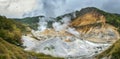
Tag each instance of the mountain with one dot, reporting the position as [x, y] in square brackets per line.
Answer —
[10, 30]
[111, 18]
[11, 45]
[93, 26]
[10, 40]
[113, 51]
[89, 31]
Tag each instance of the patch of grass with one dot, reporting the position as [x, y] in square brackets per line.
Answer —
[10, 51]
[43, 56]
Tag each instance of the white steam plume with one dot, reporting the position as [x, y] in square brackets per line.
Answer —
[62, 24]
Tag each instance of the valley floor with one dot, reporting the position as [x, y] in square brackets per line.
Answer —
[58, 47]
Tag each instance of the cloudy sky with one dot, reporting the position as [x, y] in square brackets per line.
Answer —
[53, 8]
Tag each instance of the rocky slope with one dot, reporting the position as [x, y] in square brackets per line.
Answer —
[73, 35]
[92, 26]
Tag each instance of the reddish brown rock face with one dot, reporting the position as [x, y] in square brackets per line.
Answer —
[92, 26]
[88, 18]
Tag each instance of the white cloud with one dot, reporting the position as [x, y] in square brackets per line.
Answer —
[107, 5]
[52, 8]
[49, 8]
[112, 6]
[16, 8]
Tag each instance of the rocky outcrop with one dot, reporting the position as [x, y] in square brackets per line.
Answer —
[92, 26]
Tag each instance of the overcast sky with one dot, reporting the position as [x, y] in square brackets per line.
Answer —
[53, 8]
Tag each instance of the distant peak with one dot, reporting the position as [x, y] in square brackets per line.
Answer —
[87, 10]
